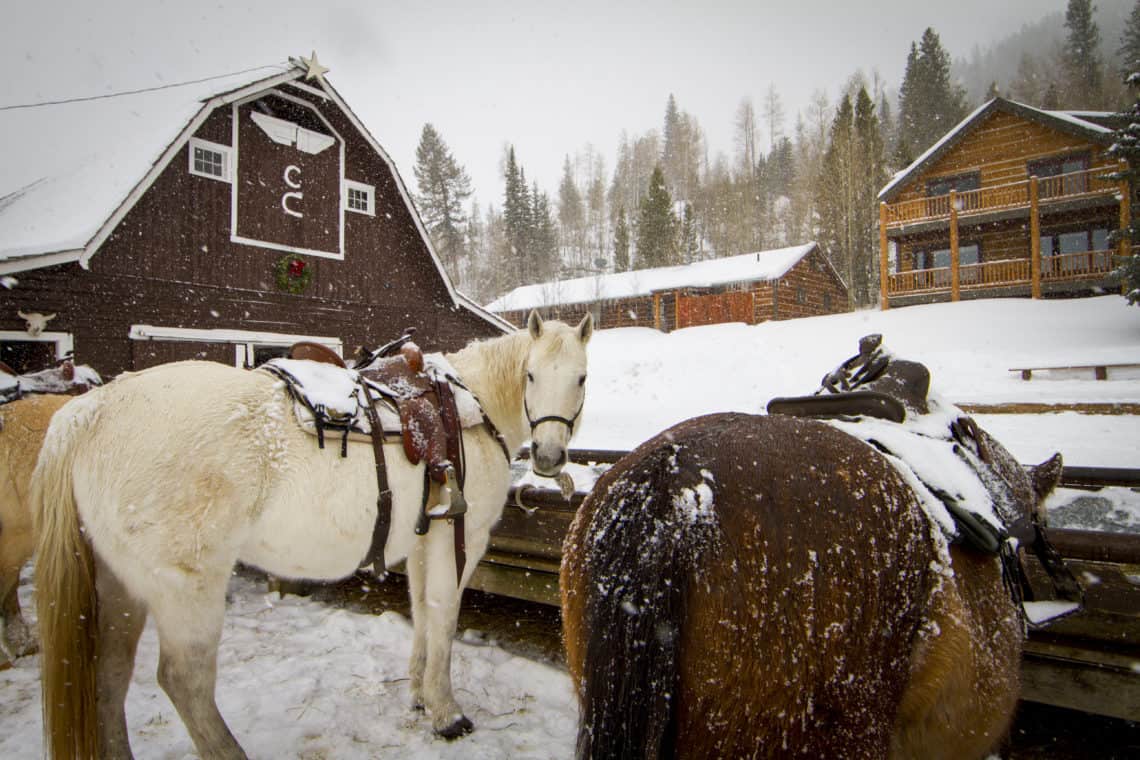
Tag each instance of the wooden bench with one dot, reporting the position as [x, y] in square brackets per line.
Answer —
[1100, 371]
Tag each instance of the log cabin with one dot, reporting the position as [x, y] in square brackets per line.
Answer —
[1014, 201]
[223, 220]
[786, 283]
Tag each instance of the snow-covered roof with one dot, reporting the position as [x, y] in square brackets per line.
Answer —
[71, 170]
[69, 166]
[1082, 123]
[747, 267]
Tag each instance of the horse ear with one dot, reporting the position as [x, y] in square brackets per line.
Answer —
[1046, 476]
[49, 316]
[534, 324]
[586, 328]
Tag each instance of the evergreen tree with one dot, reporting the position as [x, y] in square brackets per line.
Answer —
[688, 239]
[656, 225]
[443, 189]
[680, 156]
[543, 233]
[870, 176]
[1126, 146]
[929, 102]
[621, 243]
[572, 217]
[1081, 55]
[837, 195]
[1130, 43]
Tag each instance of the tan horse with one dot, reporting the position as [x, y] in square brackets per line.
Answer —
[23, 424]
[765, 586]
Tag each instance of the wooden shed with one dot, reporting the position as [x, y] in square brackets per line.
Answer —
[753, 287]
[219, 220]
[1013, 201]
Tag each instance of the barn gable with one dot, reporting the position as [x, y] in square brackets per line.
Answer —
[265, 212]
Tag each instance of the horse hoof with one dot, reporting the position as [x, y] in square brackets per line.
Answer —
[459, 728]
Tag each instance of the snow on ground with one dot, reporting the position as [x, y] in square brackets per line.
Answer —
[298, 679]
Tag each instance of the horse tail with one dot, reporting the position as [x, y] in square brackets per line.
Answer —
[65, 594]
[641, 548]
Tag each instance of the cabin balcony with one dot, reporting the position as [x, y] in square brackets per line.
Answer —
[1032, 237]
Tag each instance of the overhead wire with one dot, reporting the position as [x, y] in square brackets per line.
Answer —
[105, 96]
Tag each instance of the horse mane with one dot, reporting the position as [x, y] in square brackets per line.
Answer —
[493, 370]
[643, 549]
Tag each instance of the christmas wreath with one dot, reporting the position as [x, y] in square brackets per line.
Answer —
[293, 274]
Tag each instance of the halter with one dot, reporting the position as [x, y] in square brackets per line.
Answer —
[569, 423]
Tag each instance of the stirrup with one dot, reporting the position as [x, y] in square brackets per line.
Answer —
[445, 510]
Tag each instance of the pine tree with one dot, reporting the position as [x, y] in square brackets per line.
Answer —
[621, 242]
[870, 175]
[571, 216]
[1130, 43]
[656, 225]
[836, 195]
[1081, 55]
[687, 236]
[543, 248]
[1126, 146]
[929, 102]
[443, 189]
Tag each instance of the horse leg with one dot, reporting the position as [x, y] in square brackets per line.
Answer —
[442, 596]
[121, 622]
[417, 591]
[189, 629]
[16, 638]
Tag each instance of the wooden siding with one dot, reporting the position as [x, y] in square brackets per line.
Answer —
[171, 263]
[1001, 148]
[749, 301]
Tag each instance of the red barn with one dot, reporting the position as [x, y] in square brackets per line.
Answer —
[219, 220]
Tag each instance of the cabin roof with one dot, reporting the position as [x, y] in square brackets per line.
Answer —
[747, 267]
[73, 169]
[1094, 126]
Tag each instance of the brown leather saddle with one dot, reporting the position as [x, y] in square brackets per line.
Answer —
[430, 431]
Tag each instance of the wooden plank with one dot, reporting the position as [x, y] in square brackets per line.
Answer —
[884, 280]
[1034, 242]
[1079, 679]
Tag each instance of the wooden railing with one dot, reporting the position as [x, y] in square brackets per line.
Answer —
[1089, 182]
[989, 274]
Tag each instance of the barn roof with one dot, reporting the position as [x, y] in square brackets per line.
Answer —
[73, 169]
[1094, 126]
[747, 267]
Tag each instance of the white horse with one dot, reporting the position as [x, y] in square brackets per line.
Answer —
[148, 491]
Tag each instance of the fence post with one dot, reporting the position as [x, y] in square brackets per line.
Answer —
[884, 275]
[955, 278]
[1034, 239]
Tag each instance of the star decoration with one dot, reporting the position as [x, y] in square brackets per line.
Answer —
[313, 68]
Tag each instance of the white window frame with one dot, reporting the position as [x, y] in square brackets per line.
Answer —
[64, 342]
[226, 153]
[369, 193]
[243, 341]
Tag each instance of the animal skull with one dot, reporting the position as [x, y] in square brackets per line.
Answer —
[36, 321]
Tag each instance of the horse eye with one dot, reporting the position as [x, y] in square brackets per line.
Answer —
[582, 380]
[530, 377]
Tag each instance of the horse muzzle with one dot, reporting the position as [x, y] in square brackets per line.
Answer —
[547, 459]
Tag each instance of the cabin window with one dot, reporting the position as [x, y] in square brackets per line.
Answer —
[359, 197]
[939, 258]
[959, 183]
[827, 301]
[801, 295]
[209, 159]
[1092, 241]
[1067, 169]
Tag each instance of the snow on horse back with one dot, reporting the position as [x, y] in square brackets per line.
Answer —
[137, 518]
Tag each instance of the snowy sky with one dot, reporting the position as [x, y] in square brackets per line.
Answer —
[548, 77]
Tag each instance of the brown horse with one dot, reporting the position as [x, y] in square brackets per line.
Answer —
[23, 424]
[766, 586]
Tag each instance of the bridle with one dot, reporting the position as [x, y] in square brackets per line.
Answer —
[569, 423]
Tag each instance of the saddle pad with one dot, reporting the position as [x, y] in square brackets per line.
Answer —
[945, 474]
[336, 393]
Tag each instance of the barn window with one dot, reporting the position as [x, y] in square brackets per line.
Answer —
[209, 159]
[827, 301]
[801, 295]
[359, 197]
